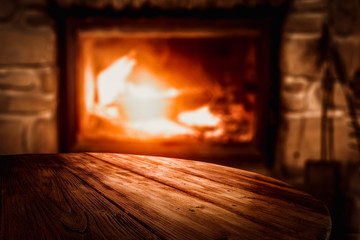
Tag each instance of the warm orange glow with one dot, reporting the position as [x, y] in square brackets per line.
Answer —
[89, 88]
[183, 90]
[131, 100]
[144, 103]
[159, 127]
[112, 81]
[199, 118]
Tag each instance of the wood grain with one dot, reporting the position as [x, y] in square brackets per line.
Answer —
[119, 196]
[235, 193]
[171, 213]
[42, 200]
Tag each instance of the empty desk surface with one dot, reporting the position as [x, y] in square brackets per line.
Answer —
[120, 196]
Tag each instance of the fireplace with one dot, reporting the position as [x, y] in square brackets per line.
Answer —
[195, 88]
[39, 88]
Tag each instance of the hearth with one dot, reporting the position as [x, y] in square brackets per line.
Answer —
[180, 87]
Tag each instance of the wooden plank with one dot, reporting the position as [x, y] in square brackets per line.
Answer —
[169, 212]
[247, 213]
[237, 178]
[273, 203]
[40, 199]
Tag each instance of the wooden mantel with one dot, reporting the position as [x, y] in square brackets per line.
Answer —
[118, 196]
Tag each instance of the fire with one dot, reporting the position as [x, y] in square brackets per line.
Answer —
[112, 81]
[140, 104]
[158, 127]
[89, 93]
[199, 118]
[180, 90]
[144, 103]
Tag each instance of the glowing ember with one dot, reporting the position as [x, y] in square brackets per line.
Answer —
[199, 118]
[159, 127]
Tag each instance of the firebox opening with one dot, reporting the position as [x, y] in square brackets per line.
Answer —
[197, 89]
[188, 88]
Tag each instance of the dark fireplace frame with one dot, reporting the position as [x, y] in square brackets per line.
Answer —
[265, 26]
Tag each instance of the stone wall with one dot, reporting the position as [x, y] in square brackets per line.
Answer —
[301, 95]
[28, 78]
[299, 138]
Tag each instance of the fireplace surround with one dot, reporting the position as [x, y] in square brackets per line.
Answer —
[231, 54]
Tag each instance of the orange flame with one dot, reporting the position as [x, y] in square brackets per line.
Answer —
[89, 91]
[199, 118]
[142, 104]
[145, 104]
[134, 102]
[159, 127]
[112, 81]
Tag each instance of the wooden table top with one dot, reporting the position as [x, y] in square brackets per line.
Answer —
[120, 196]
